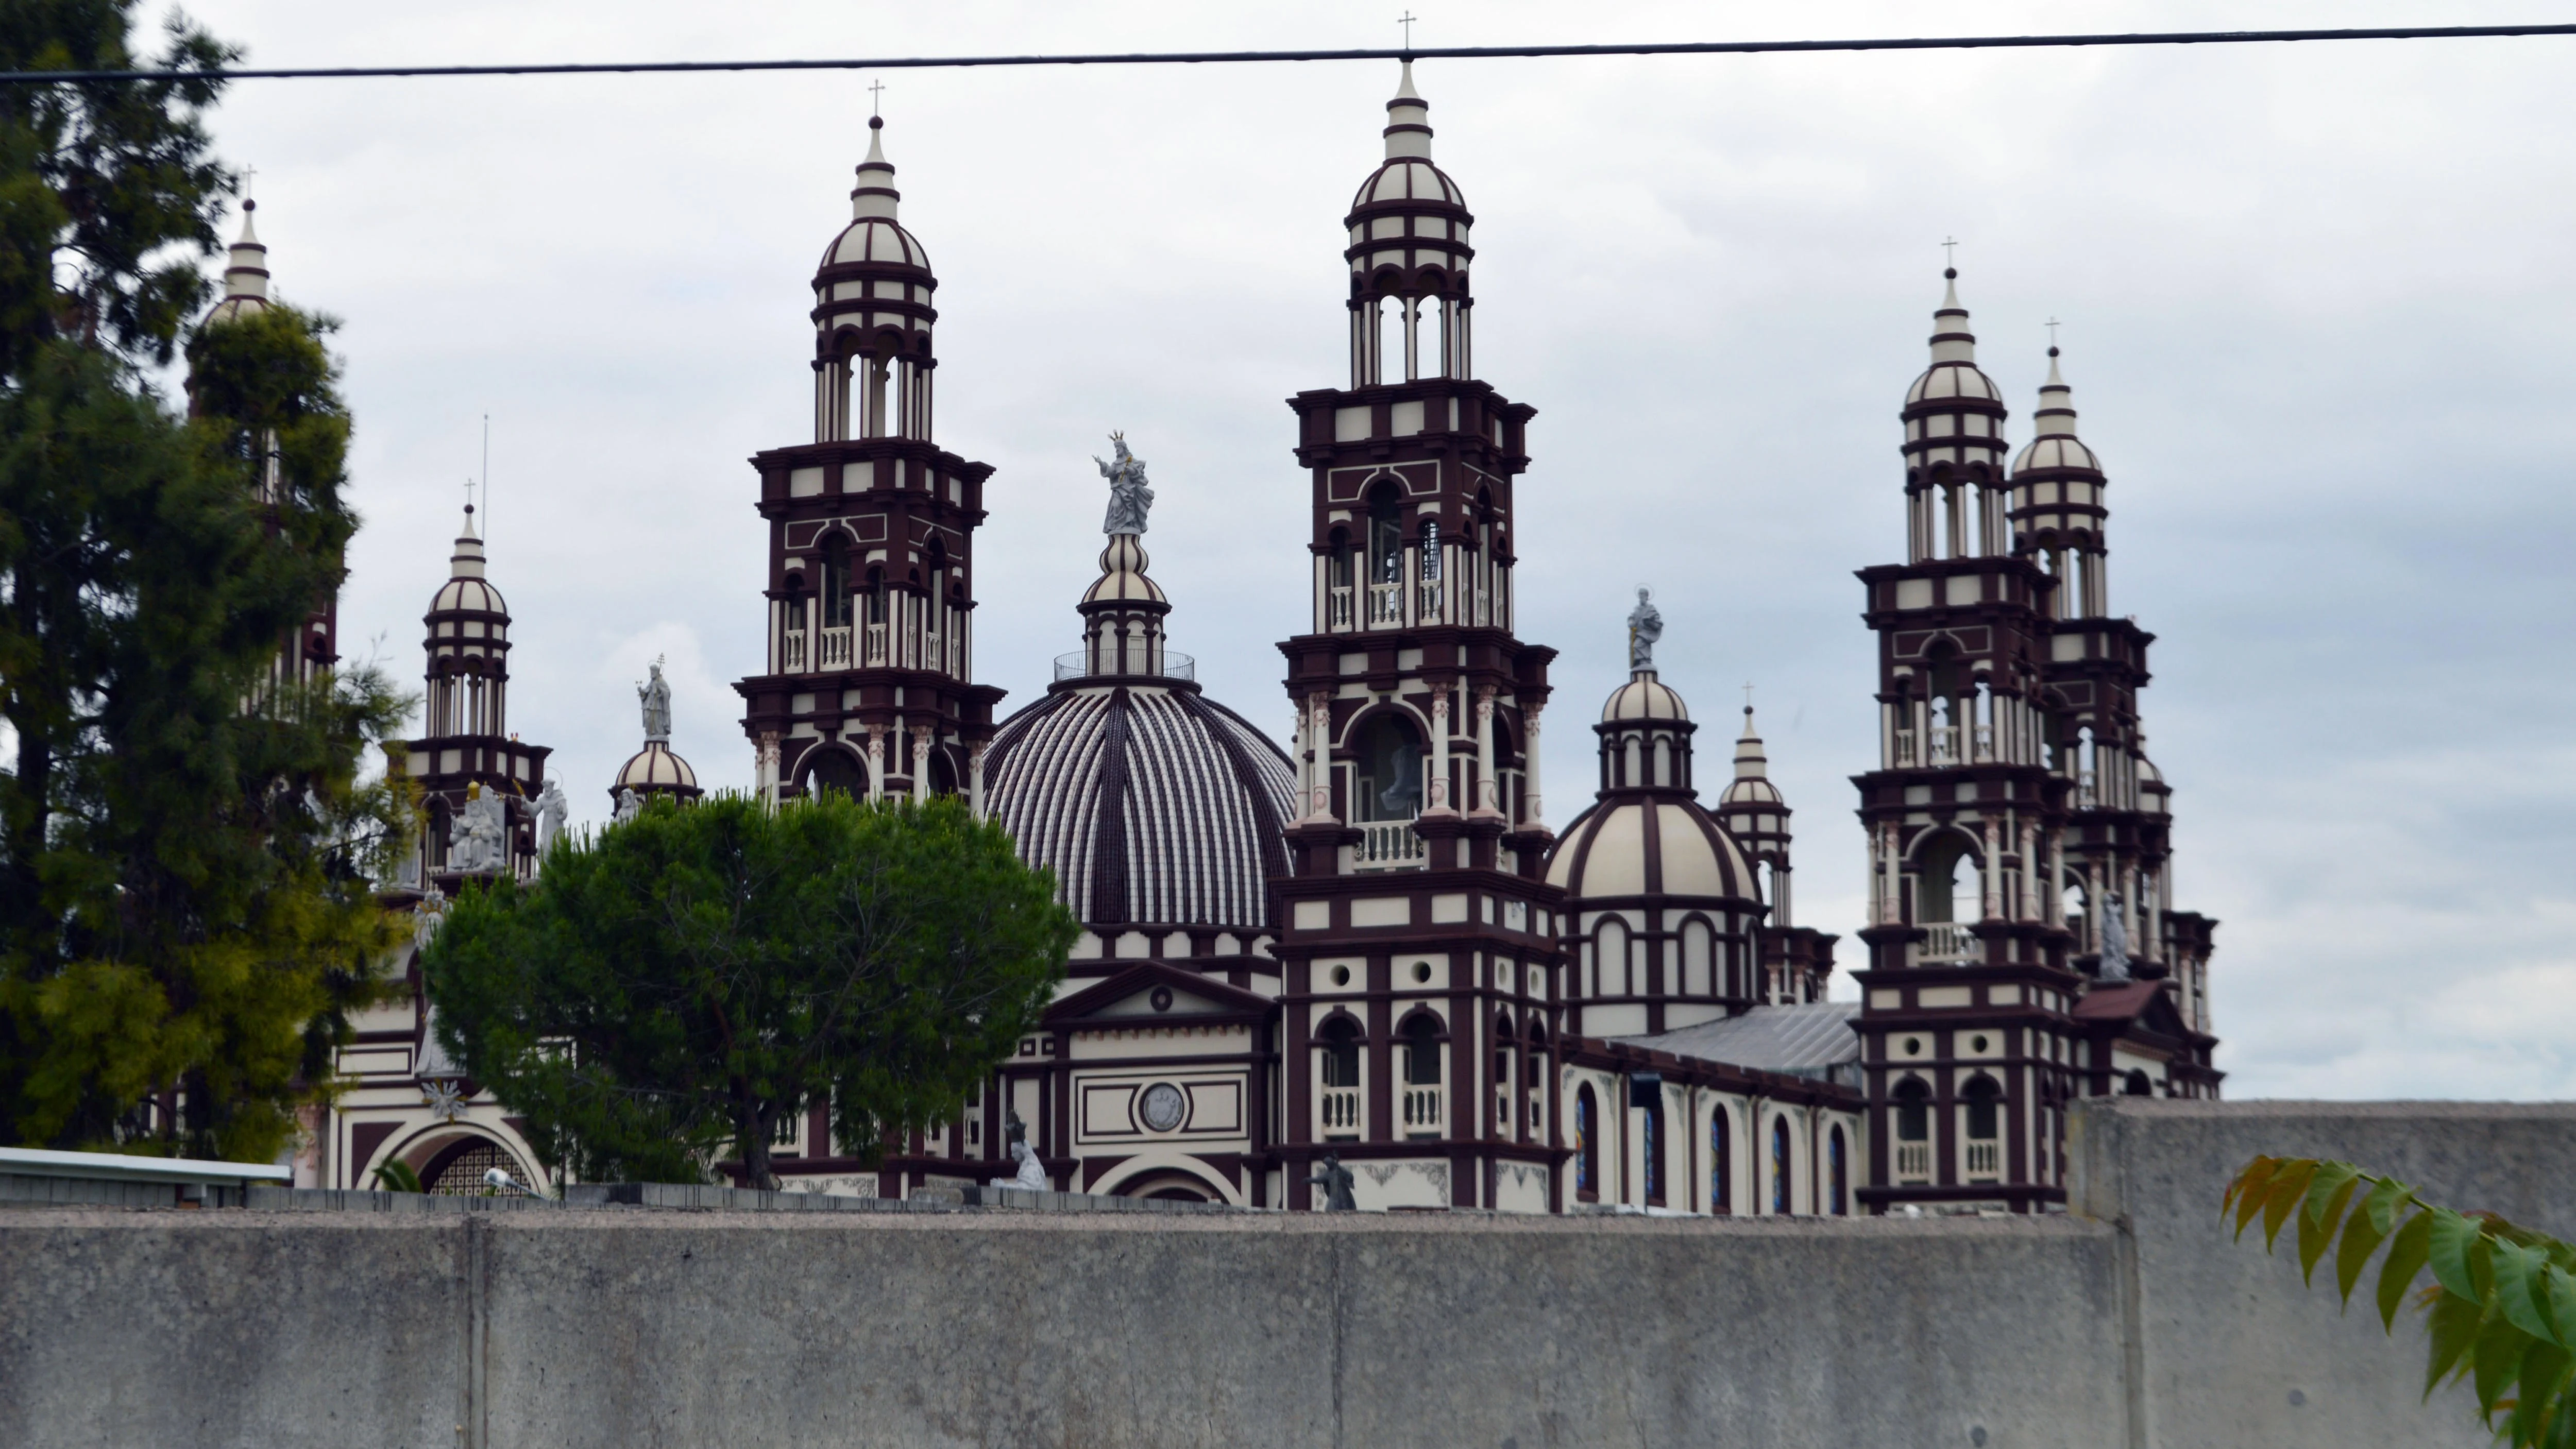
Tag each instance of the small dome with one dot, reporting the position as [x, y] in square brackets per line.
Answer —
[876, 239]
[466, 590]
[1953, 375]
[1755, 791]
[1406, 179]
[1152, 805]
[1948, 380]
[1752, 783]
[245, 274]
[2066, 452]
[1122, 574]
[2055, 444]
[1605, 854]
[655, 768]
[1643, 697]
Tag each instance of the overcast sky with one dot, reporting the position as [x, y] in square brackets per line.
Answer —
[2315, 303]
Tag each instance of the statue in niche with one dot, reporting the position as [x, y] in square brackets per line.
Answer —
[1032, 1174]
[1129, 498]
[2115, 940]
[629, 805]
[1645, 626]
[1335, 1180]
[551, 810]
[656, 697]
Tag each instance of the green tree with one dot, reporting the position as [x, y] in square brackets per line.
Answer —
[693, 977]
[2501, 1308]
[186, 832]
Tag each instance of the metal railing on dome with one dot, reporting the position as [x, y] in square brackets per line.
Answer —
[1175, 666]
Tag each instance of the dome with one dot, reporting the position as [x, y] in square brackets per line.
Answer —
[1152, 805]
[1643, 697]
[1122, 575]
[1404, 179]
[245, 274]
[654, 767]
[2055, 444]
[466, 590]
[1752, 783]
[1408, 215]
[1628, 846]
[873, 239]
[1954, 374]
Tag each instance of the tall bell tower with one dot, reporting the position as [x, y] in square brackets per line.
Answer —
[871, 594]
[1965, 1003]
[1417, 927]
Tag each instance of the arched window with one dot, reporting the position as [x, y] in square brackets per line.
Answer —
[876, 596]
[1837, 1173]
[1913, 1110]
[1610, 957]
[1721, 1175]
[829, 767]
[1387, 768]
[1587, 1164]
[1696, 954]
[1655, 1148]
[2138, 1084]
[1386, 554]
[1422, 1052]
[1341, 569]
[1339, 1043]
[835, 594]
[1981, 1095]
[1780, 1197]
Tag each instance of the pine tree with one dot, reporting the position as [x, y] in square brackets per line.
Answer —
[695, 977]
[186, 834]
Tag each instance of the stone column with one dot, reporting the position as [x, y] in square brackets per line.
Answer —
[1488, 799]
[920, 763]
[765, 769]
[975, 779]
[1319, 742]
[876, 762]
[1992, 882]
[1439, 802]
[1531, 814]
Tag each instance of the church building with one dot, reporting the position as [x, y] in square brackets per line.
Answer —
[1364, 950]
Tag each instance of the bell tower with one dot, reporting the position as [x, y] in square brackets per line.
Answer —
[1417, 927]
[867, 686]
[1965, 1003]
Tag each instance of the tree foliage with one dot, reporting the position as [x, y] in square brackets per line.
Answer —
[186, 831]
[2500, 1311]
[694, 977]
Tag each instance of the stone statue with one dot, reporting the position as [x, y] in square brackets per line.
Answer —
[1129, 498]
[428, 916]
[1335, 1180]
[656, 696]
[629, 805]
[1032, 1176]
[551, 810]
[2115, 940]
[1645, 626]
[478, 838]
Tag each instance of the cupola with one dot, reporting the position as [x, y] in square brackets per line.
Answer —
[1954, 444]
[2058, 510]
[655, 769]
[872, 316]
[468, 642]
[245, 274]
[1408, 255]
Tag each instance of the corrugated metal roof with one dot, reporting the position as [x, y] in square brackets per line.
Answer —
[1807, 1041]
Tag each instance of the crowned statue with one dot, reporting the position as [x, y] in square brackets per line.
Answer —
[1645, 626]
[655, 694]
[1129, 498]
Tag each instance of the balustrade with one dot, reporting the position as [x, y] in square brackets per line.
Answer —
[1985, 1159]
[1949, 941]
[1338, 607]
[1913, 1162]
[1386, 605]
[836, 647]
[1341, 1109]
[1422, 1111]
[876, 644]
[1389, 845]
[1427, 611]
[1945, 744]
[791, 652]
[1904, 748]
[1985, 742]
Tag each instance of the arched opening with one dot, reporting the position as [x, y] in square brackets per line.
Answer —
[2138, 1084]
[1387, 340]
[1913, 1110]
[2076, 914]
[1339, 1049]
[1781, 1197]
[1341, 569]
[1721, 1166]
[1981, 1096]
[1587, 1164]
[1387, 768]
[829, 767]
[1386, 555]
[1837, 1174]
[1697, 953]
[1422, 1051]
[1503, 1076]
[457, 1170]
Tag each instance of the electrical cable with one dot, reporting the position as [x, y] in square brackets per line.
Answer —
[1241, 57]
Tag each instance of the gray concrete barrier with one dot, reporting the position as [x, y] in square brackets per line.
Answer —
[2134, 1323]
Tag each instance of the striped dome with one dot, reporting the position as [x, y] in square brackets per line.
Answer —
[1628, 846]
[1152, 805]
[655, 768]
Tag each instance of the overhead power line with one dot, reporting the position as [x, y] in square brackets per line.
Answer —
[1245, 57]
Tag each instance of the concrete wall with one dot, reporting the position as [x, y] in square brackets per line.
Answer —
[2142, 1325]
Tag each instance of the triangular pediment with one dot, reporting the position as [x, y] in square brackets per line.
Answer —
[1151, 991]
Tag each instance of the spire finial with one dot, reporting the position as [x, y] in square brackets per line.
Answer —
[1406, 20]
[876, 103]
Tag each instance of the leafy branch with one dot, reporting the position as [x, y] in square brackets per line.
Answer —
[2500, 1311]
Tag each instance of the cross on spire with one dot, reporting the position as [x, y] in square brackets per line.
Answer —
[1950, 251]
[1406, 20]
[876, 98]
[250, 181]
[1748, 698]
[2052, 336]
[469, 495]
